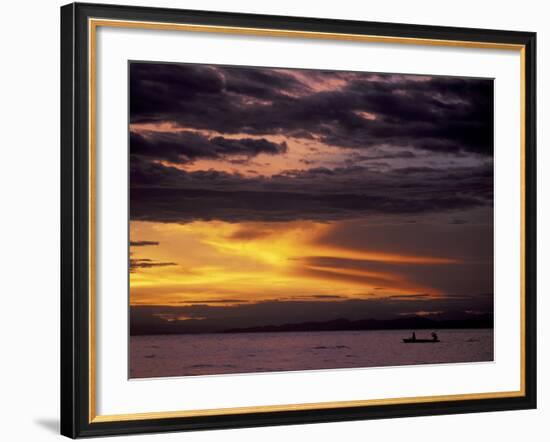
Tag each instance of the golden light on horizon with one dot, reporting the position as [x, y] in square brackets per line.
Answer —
[229, 263]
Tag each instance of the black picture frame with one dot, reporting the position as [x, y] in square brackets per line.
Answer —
[76, 418]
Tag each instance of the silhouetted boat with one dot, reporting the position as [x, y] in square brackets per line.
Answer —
[414, 340]
[419, 341]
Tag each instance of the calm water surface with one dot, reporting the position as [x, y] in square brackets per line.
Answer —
[184, 355]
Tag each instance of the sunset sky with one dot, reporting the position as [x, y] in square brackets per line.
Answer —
[269, 196]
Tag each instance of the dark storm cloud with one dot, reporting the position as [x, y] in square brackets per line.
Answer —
[143, 243]
[380, 155]
[215, 318]
[252, 83]
[146, 263]
[181, 147]
[184, 205]
[176, 91]
[394, 118]
[443, 114]
[167, 194]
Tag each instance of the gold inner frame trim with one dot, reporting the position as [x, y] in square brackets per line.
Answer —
[93, 24]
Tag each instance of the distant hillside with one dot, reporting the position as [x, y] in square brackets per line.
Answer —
[407, 323]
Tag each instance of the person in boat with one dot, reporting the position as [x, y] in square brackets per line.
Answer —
[434, 336]
[414, 336]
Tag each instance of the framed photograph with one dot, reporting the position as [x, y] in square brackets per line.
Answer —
[275, 220]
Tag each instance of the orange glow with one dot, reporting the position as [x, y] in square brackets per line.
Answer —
[231, 263]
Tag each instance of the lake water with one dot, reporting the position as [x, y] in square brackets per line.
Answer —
[185, 355]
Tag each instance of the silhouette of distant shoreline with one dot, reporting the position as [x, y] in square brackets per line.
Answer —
[413, 322]
[404, 323]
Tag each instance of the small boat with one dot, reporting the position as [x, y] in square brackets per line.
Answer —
[419, 341]
[414, 340]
